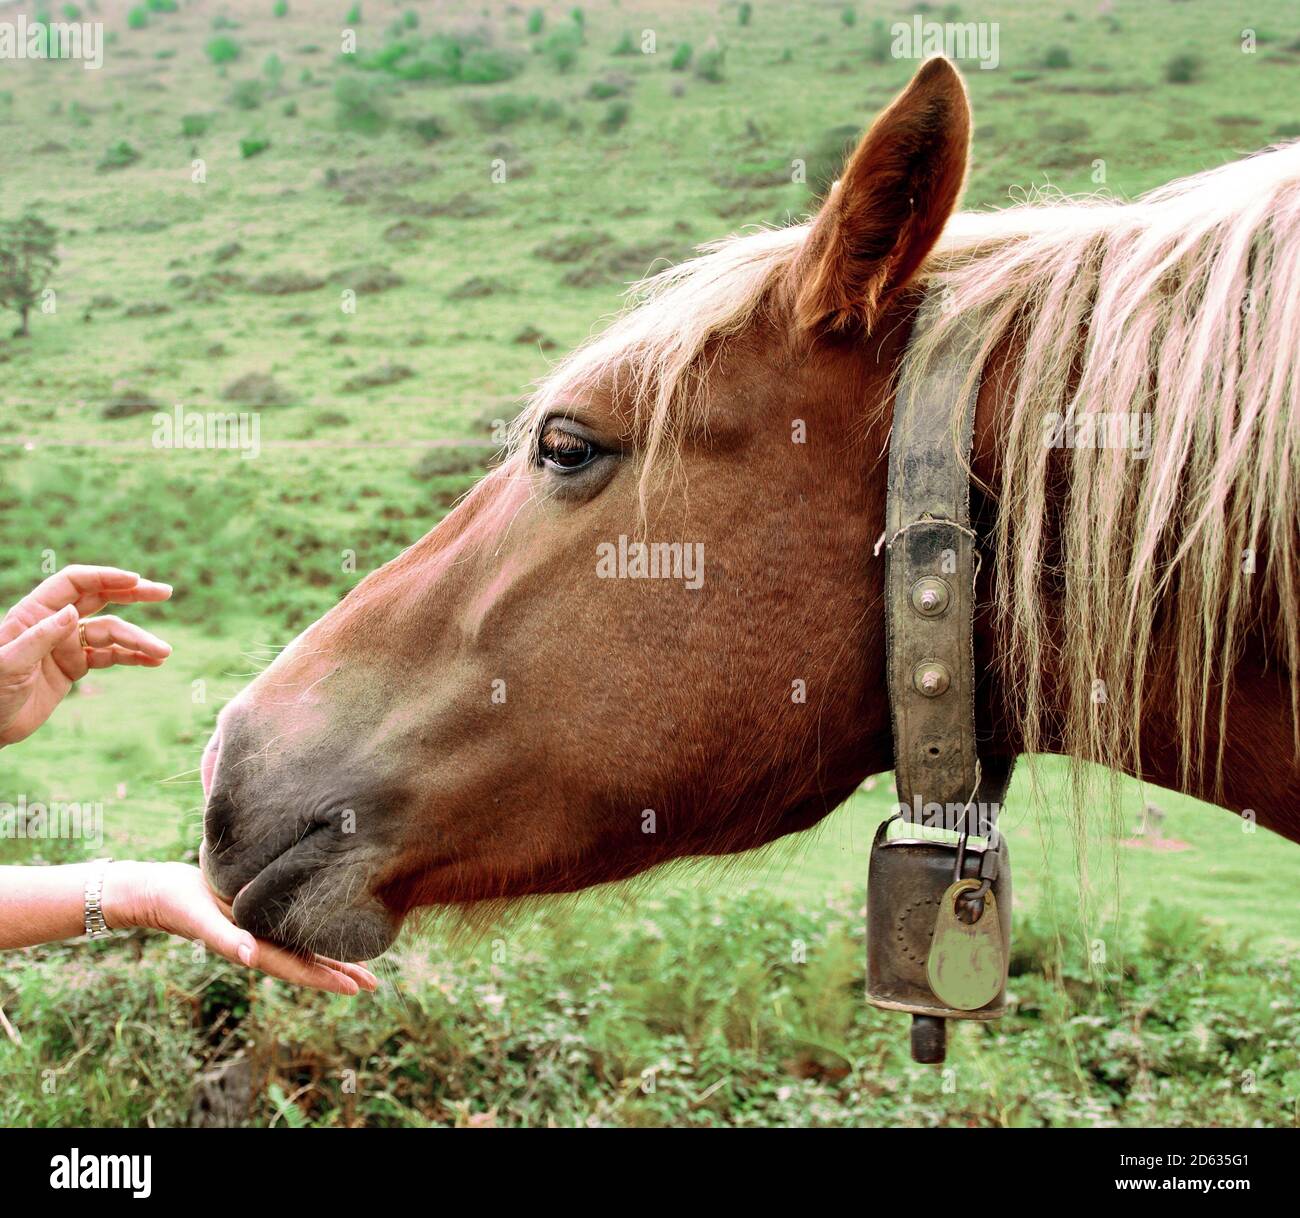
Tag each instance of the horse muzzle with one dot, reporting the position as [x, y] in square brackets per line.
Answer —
[291, 858]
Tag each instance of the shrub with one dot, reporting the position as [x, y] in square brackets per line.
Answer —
[358, 106]
[561, 46]
[385, 374]
[119, 155]
[614, 85]
[368, 277]
[485, 66]
[257, 389]
[148, 308]
[195, 125]
[285, 283]
[475, 288]
[572, 247]
[1183, 69]
[129, 401]
[626, 45]
[280, 8]
[536, 21]
[879, 44]
[616, 115]
[465, 58]
[402, 57]
[162, 6]
[682, 56]
[223, 50]
[745, 13]
[709, 65]
[138, 17]
[247, 95]
[849, 16]
[252, 145]
[430, 128]
[354, 15]
[501, 110]
[1057, 57]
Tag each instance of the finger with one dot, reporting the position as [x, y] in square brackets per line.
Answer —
[36, 642]
[68, 586]
[359, 973]
[288, 967]
[205, 921]
[90, 589]
[110, 631]
[146, 591]
[119, 657]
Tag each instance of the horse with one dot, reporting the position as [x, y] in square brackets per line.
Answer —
[655, 630]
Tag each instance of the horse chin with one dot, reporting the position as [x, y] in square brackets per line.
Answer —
[318, 913]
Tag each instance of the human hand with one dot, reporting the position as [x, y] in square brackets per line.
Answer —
[41, 654]
[174, 897]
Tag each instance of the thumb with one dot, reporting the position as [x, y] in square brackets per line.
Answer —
[36, 642]
[207, 922]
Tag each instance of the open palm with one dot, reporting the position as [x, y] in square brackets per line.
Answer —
[174, 897]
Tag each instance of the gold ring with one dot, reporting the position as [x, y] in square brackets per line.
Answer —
[81, 634]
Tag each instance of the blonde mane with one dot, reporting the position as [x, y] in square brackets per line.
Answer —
[1179, 312]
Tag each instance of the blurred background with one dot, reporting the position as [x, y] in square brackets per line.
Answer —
[371, 228]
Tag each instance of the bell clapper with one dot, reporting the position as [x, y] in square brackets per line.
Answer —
[929, 1039]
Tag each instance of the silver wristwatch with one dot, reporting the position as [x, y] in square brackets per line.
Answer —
[96, 927]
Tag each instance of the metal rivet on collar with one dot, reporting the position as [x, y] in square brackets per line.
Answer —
[931, 678]
[930, 596]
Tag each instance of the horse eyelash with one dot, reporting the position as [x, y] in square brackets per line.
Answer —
[567, 439]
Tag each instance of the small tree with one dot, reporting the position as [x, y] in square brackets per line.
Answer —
[28, 256]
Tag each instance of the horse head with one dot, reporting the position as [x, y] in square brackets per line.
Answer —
[656, 631]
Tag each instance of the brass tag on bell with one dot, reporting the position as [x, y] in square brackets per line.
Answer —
[914, 935]
[967, 966]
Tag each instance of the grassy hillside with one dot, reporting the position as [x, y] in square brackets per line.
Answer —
[376, 252]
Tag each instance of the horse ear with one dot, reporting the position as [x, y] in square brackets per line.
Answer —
[886, 212]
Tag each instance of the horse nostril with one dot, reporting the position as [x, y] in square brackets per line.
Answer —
[219, 818]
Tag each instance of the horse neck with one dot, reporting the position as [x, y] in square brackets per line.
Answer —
[1259, 779]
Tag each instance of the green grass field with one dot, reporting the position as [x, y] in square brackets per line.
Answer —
[378, 252]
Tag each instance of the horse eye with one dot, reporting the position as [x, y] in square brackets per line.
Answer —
[565, 452]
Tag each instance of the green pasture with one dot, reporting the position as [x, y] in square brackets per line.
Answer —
[376, 253]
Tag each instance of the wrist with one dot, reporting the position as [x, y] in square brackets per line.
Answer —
[124, 895]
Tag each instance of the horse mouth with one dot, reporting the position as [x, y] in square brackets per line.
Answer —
[231, 879]
[304, 899]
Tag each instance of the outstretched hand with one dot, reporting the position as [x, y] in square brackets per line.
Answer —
[41, 654]
[174, 897]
